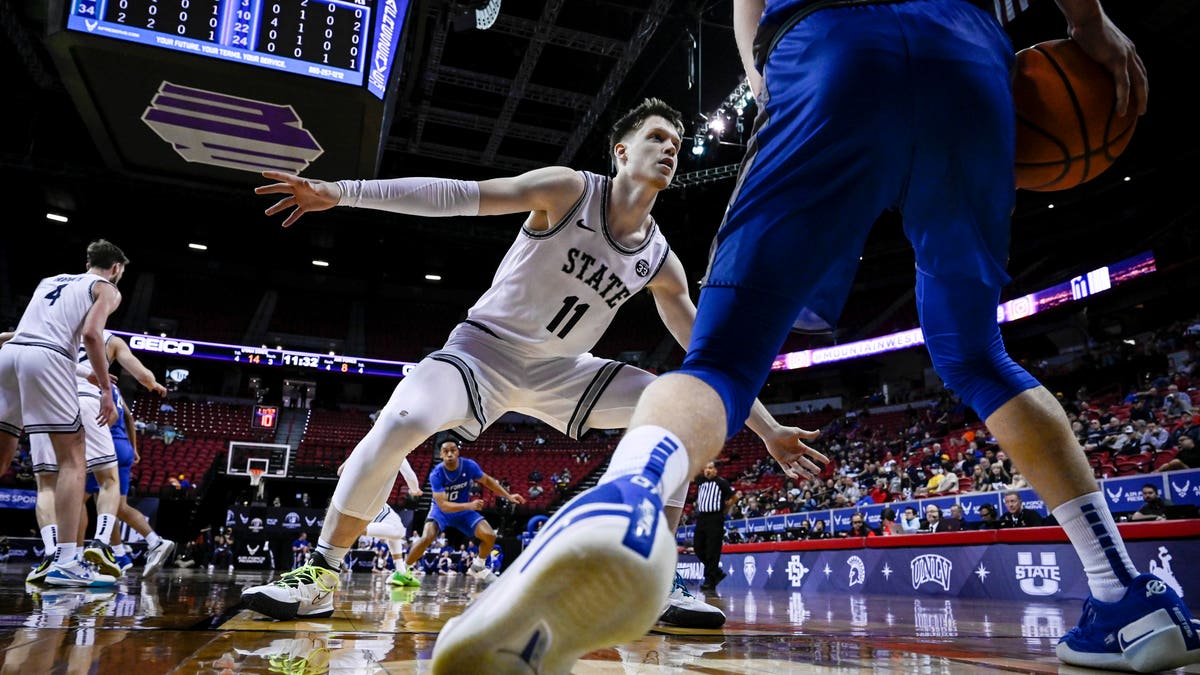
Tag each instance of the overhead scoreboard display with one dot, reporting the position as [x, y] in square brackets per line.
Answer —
[224, 89]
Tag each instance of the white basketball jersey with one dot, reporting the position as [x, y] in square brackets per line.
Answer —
[54, 317]
[81, 356]
[556, 291]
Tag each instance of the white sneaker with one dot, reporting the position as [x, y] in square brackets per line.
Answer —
[100, 555]
[37, 575]
[157, 557]
[231, 569]
[687, 611]
[305, 592]
[77, 574]
[605, 563]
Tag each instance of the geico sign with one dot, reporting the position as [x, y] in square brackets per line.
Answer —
[162, 345]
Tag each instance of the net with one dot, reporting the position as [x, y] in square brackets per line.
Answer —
[255, 477]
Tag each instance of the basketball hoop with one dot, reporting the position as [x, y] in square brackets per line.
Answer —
[255, 477]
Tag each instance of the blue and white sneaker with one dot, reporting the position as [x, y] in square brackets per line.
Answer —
[77, 574]
[687, 611]
[606, 558]
[1148, 630]
[125, 562]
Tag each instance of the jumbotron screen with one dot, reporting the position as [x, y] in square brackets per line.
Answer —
[350, 41]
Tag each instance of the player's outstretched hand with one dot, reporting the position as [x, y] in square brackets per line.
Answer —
[475, 505]
[303, 195]
[415, 494]
[516, 498]
[798, 460]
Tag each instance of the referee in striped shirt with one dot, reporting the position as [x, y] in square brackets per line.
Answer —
[714, 498]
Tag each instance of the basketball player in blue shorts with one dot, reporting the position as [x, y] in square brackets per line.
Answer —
[450, 482]
[865, 106]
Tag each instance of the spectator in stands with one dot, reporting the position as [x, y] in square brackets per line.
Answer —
[1143, 408]
[169, 434]
[987, 518]
[1153, 508]
[955, 521]
[997, 479]
[538, 440]
[300, 549]
[535, 476]
[1095, 434]
[1177, 403]
[859, 527]
[978, 479]
[949, 482]
[909, 522]
[1016, 515]
[535, 491]
[1188, 456]
[818, 531]
[1186, 428]
[888, 524]
[223, 550]
[1018, 480]
[933, 519]
[1155, 438]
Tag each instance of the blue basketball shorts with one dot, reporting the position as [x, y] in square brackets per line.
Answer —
[124, 467]
[463, 521]
[897, 106]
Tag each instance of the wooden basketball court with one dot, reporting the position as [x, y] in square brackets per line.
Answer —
[188, 621]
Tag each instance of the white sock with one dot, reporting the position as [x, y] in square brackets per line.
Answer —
[153, 539]
[400, 566]
[333, 554]
[65, 553]
[1090, 526]
[651, 451]
[104, 527]
[119, 550]
[50, 538]
[477, 564]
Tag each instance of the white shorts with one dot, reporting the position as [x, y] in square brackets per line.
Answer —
[571, 394]
[37, 391]
[100, 453]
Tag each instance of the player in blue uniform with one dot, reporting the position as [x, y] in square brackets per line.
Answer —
[865, 106]
[450, 482]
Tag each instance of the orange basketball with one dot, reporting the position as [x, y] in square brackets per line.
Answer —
[1068, 131]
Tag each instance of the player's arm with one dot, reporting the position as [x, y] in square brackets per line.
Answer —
[678, 313]
[410, 478]
[448, 506]
[124, 356]
[746, 15]
[107, 299]
[550, 190]
[495, 486]
[6, 336]
[1091, 29]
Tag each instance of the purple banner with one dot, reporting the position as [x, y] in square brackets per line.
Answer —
[999, 571]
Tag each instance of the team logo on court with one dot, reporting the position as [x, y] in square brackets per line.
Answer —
[858, 571]
[291, 520]
[1039, 580]
[749, 568]
[1161, 568]
[931, 568]
[230, 131]
[796, 571]
[642, 268]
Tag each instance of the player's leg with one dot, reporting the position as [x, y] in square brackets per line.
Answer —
[487, 539]
[108, 499]
[391, 529]
[432, 398]
[428, 536]
[46, 478]
[788, 248]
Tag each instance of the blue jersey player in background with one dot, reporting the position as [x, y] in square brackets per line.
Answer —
[450, 482]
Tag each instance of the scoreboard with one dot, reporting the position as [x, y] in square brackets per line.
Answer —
[217, 91]
[326, 39]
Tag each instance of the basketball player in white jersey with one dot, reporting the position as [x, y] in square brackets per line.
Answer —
[588, 244]
[37, 385]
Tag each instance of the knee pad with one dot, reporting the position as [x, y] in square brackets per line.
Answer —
[984, 376]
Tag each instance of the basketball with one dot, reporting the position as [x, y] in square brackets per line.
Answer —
[1068, 131]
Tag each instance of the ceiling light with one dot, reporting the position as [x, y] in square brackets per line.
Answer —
[198, 247]
[320, 263]
[56, 217]
[1127, 179]
[433, 277]
[1050, 206]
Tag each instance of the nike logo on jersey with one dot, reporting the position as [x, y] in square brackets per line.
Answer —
[579, 223]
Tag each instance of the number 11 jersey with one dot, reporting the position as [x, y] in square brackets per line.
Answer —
[556, 291]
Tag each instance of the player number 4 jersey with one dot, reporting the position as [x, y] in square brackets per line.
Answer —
[556, 291]
[55, 314]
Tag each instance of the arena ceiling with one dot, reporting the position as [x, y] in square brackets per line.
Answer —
[541, 86]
